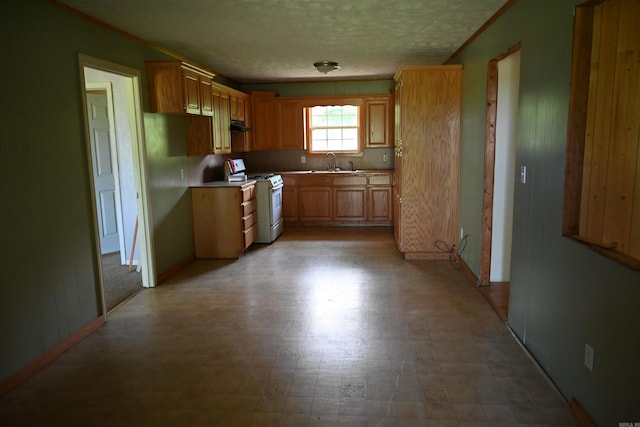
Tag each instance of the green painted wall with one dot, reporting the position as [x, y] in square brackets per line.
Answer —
[330, 88]
[562, 294]
[166, 138]
[48, 285]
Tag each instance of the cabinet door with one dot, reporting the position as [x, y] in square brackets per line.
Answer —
[350, 204]
[290, 204]
[398, 139]
[397, 219]
[264, 118]
[225, 132]
[380, 204]
[191, 87]
[233, 107]
[241, 108]
[221, 132]
[290, 125]
[199, 135]
[315, 203]
[206, 96]
[290, 198]
[217, 128]
[397, 111]
[240, 142]
[377, 123]
[428, 171]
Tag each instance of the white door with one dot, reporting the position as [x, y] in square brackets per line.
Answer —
[102, 157]
[505, 167]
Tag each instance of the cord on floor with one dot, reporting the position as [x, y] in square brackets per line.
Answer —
[455, 253]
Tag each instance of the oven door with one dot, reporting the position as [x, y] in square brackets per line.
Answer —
[276, 204]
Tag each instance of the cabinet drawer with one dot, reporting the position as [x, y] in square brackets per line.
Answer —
[248, 207]
[249, 220]
[249, 235]
[350, 180]
[248, 193]
[380, 180]
[290, 180]
[315, 180]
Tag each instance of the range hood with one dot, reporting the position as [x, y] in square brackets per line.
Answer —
[239, 125]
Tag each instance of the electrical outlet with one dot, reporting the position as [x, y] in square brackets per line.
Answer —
[385, 158]
[181, 174]
[461, 233]
[303, 159]
[588, 357]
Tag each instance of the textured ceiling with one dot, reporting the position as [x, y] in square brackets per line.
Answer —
[254, 41]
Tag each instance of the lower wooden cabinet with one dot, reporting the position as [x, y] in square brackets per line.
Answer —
[224, 219]
[290, 199]
[314, 203]
[350, 204]
[341, 199]
[380, 203]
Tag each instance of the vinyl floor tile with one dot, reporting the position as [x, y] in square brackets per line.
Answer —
[325, 327]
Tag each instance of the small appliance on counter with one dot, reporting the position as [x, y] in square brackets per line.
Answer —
[234, 170]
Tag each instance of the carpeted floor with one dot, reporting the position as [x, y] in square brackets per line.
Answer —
[119, 283]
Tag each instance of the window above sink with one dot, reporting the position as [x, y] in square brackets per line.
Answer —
[333, 128]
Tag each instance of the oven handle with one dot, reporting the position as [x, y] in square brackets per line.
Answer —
[277, 187]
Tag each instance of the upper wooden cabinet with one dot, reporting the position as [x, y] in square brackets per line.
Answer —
[428, 102]
[238, 105]
[211, 135]
[221, 121]
[377, 122]
[278, 123]
[206, 96]
[199, 135]
[263, 110]
[290, 124]
[178, 87]
[240, 109]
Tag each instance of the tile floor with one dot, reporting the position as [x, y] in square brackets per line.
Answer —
[325, 327]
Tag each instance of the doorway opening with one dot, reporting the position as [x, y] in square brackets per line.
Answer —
[115, 196]
[115, 140]
[503, 89]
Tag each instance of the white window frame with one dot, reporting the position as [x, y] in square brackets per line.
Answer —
[334, 102]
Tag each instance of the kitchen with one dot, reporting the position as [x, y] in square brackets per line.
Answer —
[564, 293]
[360, 188]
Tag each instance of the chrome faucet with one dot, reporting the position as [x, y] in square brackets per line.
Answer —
[331, 166]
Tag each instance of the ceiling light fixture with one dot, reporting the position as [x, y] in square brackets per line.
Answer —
[326, 66]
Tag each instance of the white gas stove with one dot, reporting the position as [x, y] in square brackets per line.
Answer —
[269, 198]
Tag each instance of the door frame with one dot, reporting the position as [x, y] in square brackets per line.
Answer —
[136, 119]
[489, 165]
[113, 147]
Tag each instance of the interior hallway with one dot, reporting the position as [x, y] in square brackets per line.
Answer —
[326, 326]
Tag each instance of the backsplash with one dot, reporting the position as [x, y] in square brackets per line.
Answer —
[211, 168]
[206, 168]
[289, 160]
